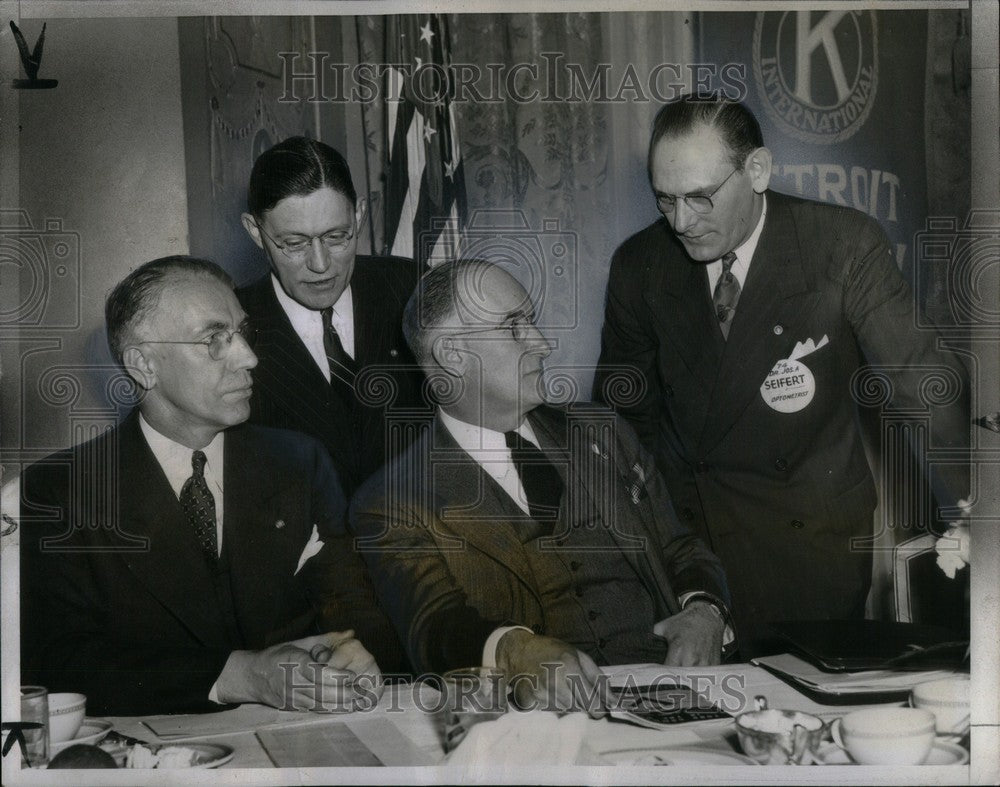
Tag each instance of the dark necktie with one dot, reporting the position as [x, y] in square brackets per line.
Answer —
[199, 505]
[342, 366]
[726, 295]
[543, 487]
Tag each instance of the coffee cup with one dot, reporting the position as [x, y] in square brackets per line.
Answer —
[779, 737]
[885, 736]
[66, 714]
[948, 700]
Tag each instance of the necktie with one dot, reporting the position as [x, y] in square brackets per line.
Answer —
[726, 295]
[542, 485]
[199, 505]
[342, 366]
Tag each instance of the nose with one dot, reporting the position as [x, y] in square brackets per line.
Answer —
[241, 356]
[317, 258]
[538, 342]
[684, 218]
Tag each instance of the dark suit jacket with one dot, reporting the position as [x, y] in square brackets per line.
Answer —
[123, 608]
[439, 535]
[290, 391]
[778, 496]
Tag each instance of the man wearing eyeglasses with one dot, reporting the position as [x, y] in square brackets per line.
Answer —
[185, 560]
[733, 327]
[332, 360]
[536, 539]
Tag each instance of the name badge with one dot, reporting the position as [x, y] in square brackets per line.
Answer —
[789, 386]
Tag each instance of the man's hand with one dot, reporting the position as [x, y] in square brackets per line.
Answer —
[693, 635]
[547, 672]
[329, 672]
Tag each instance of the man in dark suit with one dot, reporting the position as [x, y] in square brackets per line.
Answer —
[332, 360]
[184, 560]
[518, 535]
[731, 343]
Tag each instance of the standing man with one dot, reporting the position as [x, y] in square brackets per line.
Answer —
[184, 559]
[520, 535]
[742, 311]
[332, 360]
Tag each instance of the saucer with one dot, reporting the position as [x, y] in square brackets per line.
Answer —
[91, 731]
[942, 753]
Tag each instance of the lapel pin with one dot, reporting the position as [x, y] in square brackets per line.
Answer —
[279, 524]
[779, 329]
[393, 352]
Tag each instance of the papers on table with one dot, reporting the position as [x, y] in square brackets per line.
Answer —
[846, 683]
[245, 718]
[340, 742]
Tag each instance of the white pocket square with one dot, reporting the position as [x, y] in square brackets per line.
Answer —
[312, 548]
[803, 349]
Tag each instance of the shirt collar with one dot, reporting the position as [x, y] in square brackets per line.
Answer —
[479, 440]
[175, 459]
[305, 320]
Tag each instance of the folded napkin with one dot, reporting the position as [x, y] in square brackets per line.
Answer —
[522, 738]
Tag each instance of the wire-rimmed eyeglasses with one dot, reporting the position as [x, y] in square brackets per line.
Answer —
[219, 342]
[297, 248]
[699, 203]
[519, 324]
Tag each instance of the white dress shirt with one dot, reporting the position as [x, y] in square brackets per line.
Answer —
[744, 254]
[308, 324]
[175, 459]
[489, 449]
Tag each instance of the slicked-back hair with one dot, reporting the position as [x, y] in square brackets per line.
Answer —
[434, 301]
[734, 122]
[137, 294]
[296, 168]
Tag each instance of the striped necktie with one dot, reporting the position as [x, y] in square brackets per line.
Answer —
[726, 295]
[342, 366]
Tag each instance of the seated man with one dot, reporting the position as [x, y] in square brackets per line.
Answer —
[181, 560]
[520, 534]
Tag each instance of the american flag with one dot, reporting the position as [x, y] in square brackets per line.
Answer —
[425, 188]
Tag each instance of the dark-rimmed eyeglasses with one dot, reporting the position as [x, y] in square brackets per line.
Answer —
[219, 342]
[699, 203]
[297, 248]
[520, 325]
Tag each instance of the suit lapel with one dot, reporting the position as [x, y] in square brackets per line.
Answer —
[300, 376]
[467, 502]
[593, 464]
[677, 294]
[768, 317]
[173, 568]
[371, 337]
[253, 544]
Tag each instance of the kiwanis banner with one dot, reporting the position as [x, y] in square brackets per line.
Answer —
[839, 95]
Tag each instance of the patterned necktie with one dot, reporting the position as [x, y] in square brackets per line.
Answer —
[199, 505]
[543, 487]
[726, 295]
[342, 366]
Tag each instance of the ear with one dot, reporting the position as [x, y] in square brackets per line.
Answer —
[361, 211]
[447, 356]
[140, 367]
[250, 225]
[758, 165]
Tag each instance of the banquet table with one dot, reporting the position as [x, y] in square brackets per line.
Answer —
[408, 728]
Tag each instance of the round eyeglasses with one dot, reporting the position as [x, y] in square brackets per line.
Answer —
[219, 342]
[297, 247]
[699, 203]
